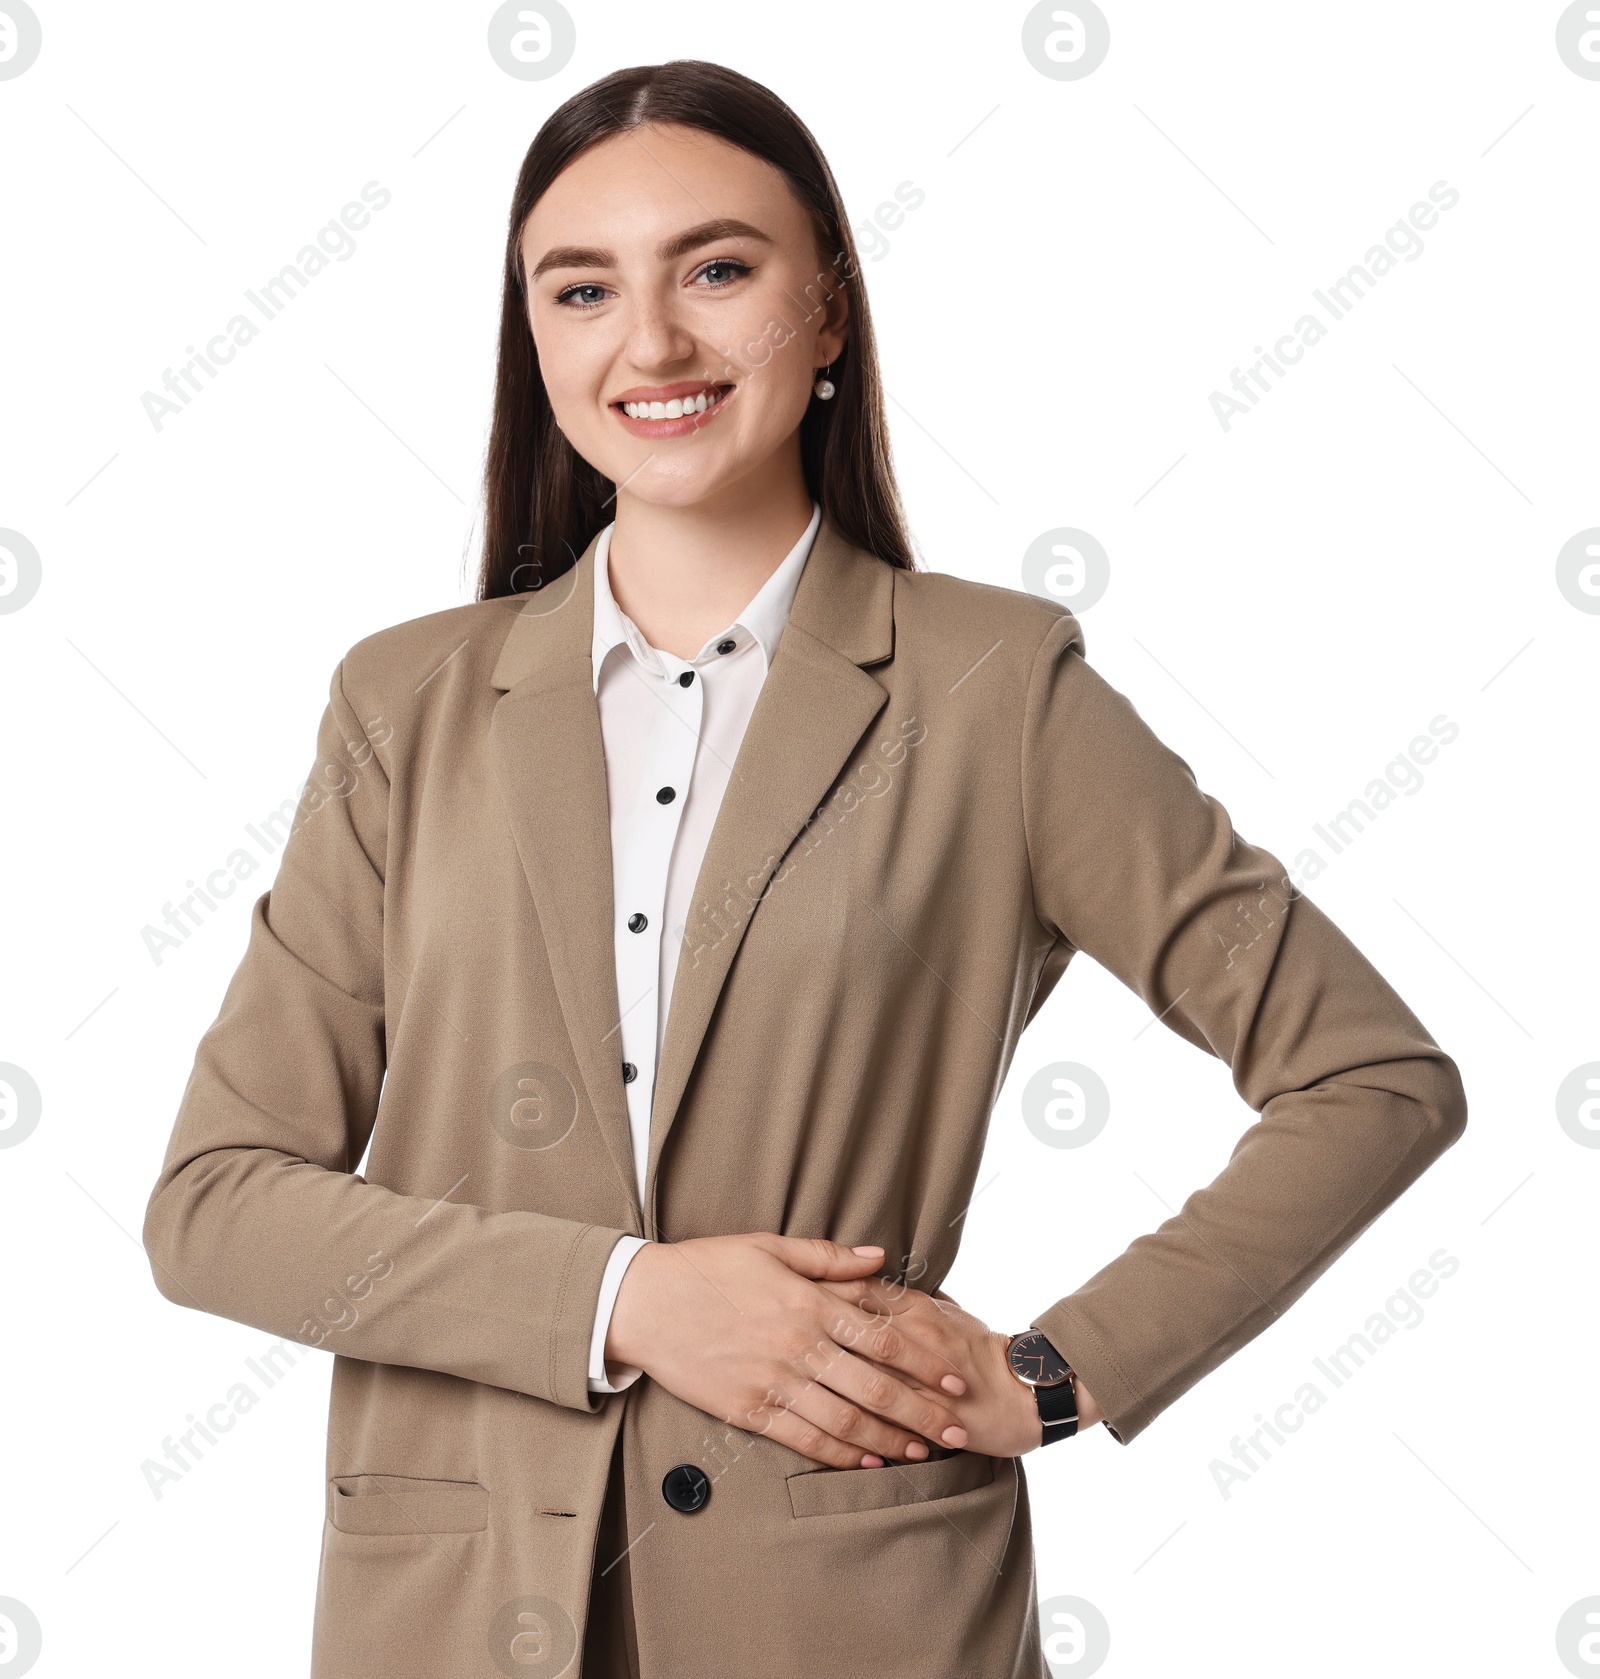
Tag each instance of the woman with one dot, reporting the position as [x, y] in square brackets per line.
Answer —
[642, 1363]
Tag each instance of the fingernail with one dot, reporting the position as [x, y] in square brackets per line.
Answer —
[952, 1384]
[871, 1461]
[953, 1436]
[916, 1449]
[871, 1247]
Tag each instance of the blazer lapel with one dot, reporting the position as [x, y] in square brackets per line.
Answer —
[546, 747]
[814, 706]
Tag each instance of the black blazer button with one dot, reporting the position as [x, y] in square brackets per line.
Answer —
[686, 1488]
[629, 1072]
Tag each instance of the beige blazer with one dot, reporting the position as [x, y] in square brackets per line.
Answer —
[937, 802]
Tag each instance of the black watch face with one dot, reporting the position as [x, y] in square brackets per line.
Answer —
[1037, 1362]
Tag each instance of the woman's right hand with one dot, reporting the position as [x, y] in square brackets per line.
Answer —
[738, 1326]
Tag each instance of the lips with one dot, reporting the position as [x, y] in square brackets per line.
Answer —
[664, 411]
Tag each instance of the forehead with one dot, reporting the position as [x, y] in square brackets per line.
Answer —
[632, 188]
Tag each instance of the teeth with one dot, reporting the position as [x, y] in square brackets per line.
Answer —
[674, 410]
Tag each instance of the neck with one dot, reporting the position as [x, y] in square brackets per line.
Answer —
[684, 573]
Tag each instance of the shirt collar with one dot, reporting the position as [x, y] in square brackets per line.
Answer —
[762, 621]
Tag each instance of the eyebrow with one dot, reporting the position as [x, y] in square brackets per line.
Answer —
[680, 244]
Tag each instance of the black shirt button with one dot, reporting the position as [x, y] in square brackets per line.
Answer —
[637, 923]
[686, 1488]
[726, 646]
[665, 795]
[629, 1072]
[686, 679]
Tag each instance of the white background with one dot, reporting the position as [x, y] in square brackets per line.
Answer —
[1290, 601]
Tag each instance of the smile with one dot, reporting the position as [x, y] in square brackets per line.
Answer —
[674, 411]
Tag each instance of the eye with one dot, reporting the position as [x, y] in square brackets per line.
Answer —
[588, 294]
[570, 300]
[731, 266]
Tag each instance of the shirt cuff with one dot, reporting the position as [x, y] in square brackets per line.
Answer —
[627, 1374]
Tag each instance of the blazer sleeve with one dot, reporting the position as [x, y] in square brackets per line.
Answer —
[1133, 864]
[258, 1214]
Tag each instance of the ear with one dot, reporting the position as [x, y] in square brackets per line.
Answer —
[834, 333]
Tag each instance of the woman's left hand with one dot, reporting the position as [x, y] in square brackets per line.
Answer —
[999, 1413]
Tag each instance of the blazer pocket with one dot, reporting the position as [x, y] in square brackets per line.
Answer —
[835, 1492]
[403, 1504]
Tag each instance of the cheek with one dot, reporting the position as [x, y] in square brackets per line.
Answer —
[779, 378]
[568, 368]
[571, 381]
[779, 350]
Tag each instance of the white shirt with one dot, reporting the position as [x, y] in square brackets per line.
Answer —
[669, 749]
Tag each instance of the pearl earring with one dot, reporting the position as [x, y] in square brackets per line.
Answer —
[824, 387]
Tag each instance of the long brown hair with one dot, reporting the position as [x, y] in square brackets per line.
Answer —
[543, 500]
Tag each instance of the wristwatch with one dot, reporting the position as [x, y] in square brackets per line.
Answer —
[1037, 1365]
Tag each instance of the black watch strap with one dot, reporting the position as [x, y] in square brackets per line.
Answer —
[1058, 1411]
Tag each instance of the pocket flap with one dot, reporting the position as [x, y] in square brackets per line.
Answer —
[830, 1492]
[406, 1504]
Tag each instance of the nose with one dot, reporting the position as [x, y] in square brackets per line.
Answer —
[656, 340]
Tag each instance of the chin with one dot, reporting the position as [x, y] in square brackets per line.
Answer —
[666, 488]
